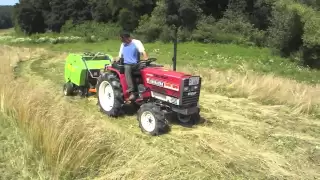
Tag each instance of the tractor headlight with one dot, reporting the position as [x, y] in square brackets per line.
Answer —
[190, 88]
[194, 88]
[194, 81]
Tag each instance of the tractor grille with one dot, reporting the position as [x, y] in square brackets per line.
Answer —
[190, 97]
[186, 99]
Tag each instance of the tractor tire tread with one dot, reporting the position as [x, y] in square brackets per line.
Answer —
[117, 90]
[69, 89]
[162, 125]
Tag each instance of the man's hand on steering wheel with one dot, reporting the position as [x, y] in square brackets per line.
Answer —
[147, 62]
[144, 59]
[115, 60]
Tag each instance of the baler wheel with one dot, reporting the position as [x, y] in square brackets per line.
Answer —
[68, 89]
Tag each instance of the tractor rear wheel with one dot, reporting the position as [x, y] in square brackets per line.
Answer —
[110, 96]
[152, 120]
[68, 89]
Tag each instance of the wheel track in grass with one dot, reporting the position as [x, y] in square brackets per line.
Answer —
[240, 136]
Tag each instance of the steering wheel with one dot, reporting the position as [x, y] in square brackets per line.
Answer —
[151, 60]
[147, 62]
[142, 64]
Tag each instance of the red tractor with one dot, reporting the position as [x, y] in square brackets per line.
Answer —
[161, 94]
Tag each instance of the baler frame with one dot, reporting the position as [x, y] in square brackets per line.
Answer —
[81, 83]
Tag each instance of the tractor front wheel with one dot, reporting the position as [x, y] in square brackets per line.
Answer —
[110, 96]
[190, 120]
[152, 120]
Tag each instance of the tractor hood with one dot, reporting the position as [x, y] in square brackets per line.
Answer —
[160, 71]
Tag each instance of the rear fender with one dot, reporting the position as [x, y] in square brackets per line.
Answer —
[122, 78]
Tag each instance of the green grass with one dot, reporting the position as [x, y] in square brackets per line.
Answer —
[218, 56]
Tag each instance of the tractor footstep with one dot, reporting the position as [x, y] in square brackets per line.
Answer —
[127, 102]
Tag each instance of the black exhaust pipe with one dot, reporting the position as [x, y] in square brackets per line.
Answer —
[175, 44]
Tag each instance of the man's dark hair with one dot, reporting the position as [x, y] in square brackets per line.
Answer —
[124, 34]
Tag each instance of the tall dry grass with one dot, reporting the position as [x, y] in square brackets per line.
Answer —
[69, 141]
[267, 88]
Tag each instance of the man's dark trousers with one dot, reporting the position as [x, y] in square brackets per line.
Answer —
[128, 69]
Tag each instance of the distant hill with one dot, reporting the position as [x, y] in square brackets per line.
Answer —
[6, 17]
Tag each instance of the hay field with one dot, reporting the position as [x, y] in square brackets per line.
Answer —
[256, 127]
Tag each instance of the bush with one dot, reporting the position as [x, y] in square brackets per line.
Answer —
[235, 26]
[151, 28]
[127, 19]
[235, 20]
[311, 56]
[285, 32]
[208, 32]
[311, 38]
[258, 37]
[295, 28]
[184, 35]
[92, 30]
[167, 34]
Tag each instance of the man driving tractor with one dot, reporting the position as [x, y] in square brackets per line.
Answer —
[130, 50]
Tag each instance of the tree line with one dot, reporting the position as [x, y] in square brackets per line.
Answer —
[289, 27]
[6, 17]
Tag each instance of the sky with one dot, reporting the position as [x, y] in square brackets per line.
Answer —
[8, 2]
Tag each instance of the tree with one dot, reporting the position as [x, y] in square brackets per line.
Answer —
[181, 14]
[5, 17]
[29, 19]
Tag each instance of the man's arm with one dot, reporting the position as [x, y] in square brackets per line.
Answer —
[141, 49]
[145, 56]
[120, 52]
